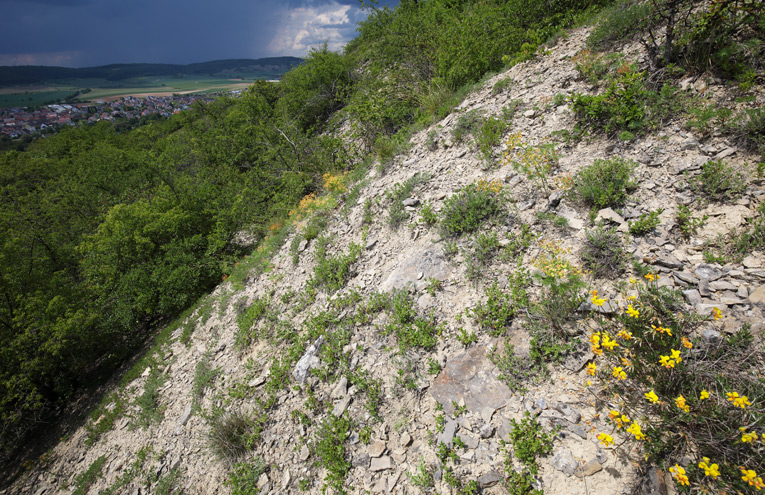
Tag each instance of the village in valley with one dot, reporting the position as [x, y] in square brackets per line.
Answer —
[16, 122]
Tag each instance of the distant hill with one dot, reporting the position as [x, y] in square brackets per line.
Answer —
[35, 74]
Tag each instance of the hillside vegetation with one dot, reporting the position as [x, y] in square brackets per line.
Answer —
[109, 236]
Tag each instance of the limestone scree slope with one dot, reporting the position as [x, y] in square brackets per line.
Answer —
[404, 401]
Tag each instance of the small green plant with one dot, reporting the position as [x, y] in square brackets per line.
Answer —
[530, 442]
[535, 161]
[502, 85]
[243, 478]
[489, 136]
[466, 338]
[753, 237]
[330, 450]
[428, 216]
[367, 217]
[333, 272]
[646, 223]
[434, 367]
[497, 312]
[85, 480]
[410, 329]
[617, 23]
[603, 252]
[432, 286]
[150, 410]
[432, 140]
[397, 214]
[718, 181]
[422, 478]
[686, 223]
[450, 249]
[246, 322]
[204, 376]
[551, 218]
[605, 183]
[466, 211]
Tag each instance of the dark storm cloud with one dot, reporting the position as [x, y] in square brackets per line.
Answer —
[89, 32]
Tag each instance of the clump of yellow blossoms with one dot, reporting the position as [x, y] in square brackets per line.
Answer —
[679, 474]
[712, 470]
[737, 400]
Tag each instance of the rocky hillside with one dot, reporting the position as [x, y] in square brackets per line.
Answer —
[371, 355]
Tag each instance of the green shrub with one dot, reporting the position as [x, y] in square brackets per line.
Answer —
[401, 191]
[466, 211]
[605, 183]
[618, 23]
[330, 449]
[246, 321]
[754, 236]
[497, 313]
[204, 376]
[603, 252]
[530, 442]
[597, 68]
[410, 329]
[85, 480]
[686, 223]
[718, 181]
[243, 478]
[333, 272]
[646, 223]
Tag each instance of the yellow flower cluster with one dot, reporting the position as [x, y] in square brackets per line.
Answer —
[605, 439]
[738, 400]
[679, 474]
[749, 476]
[680, 403]
[552, 262]
[619, 419]
[661, 329]
[712, 470]
[494, 186]
[619, 373]
[309, 203]
[335, 183]
[632, 312]
[747, 437]
[671, 360]
[597, 301]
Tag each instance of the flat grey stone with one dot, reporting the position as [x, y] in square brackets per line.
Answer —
[569, 412]
[302, 246]
[758, 295]
[308, 361]
[489, 479]
[578, 430]
[411, 202]
[470, 377]
[487, 431]
[710, 336]
[304, 453]
[429, 262]
[361, 460]
[564, 461]
[668, 261]
[376, 449]
[685, 277]
[589, 469]
[576, 359]
[340, 389]
[692, 296]
[609, 215]
[341, 406]
[186, 415]
[446, 436]
[469, 440]
[708, 272]
[380, 463]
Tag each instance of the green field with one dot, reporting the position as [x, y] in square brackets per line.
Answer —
[103, 89]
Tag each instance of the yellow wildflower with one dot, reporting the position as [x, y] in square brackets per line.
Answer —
[626, 362]
[632, 280]
[679, 474]
[605, 439]
[652, 397]
[666, 362]
[737, 400]
[661, 329]
[687, 343]
[704, 395]
[712, 470]
[625, 334]
[717, 313]
[591, 368]
[619, 373]
[635, 430]
[750, 476]
[676, 356]
[632, 311]
[747, 437]
[680, 403]
[650, 276]
[608, 343]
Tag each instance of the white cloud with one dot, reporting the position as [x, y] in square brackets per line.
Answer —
[304, 28]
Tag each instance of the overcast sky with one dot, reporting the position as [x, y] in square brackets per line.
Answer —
[84, 33]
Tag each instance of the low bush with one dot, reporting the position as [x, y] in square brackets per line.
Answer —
[333, 271]
[233, 434]
[718, 181]
[466, 211]
[330, 449]
[695, 404]
[535, 161]
[646, 223]
[603, 252]
[617, 24]
[243, 478]
[605, 183]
